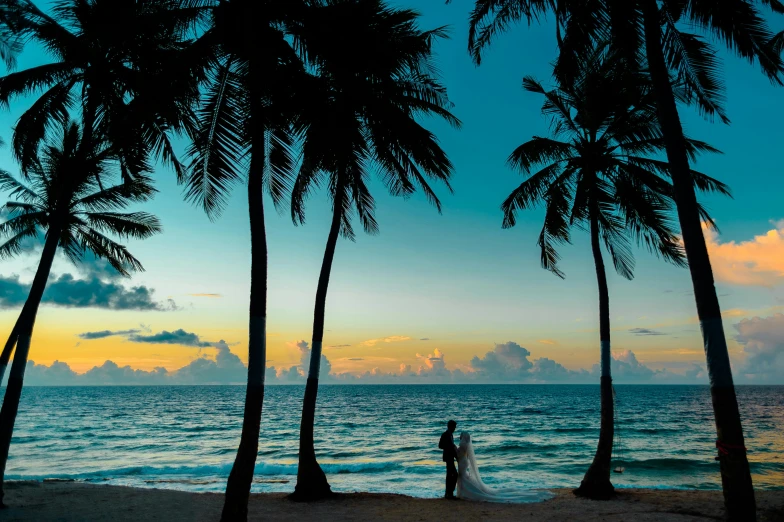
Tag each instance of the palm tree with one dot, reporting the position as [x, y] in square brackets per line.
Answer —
[122, 64]
[65, 203]
[106, 54]
[253, 77]
[596, 173]
[10, 41]
[363, 118]
[649, 34]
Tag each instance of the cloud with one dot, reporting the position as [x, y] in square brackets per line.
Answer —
[627, 369]
[339, 346]
[355, 359]
[180, 337]
[213, 296]
[550, 342]
[299, 373]
[645, 331]
[223, 368]
[67, 291]
[756, 262]
[762, 339]
[390, 339]
[433, 363]
[425, 339]
[89, 336]
[547, 370]
[508, 361]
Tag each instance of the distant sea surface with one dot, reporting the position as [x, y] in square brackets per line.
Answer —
[385, 438]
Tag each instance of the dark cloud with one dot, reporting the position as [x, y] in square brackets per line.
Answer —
[645, 331]
[93, 267]
[94, 292]
[762, 339]
[507, 361]
[340, 345]
[425, 339]
[356, 359]
[89, 336]
[179, 336]
[12, 292]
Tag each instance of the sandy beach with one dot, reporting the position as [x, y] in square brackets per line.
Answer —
[73, 501]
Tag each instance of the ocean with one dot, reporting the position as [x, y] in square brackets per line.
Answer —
[385, 438]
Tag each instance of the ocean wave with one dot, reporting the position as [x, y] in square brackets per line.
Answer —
[650, 431]
[524, 447]
[670, 464]
[222, 470]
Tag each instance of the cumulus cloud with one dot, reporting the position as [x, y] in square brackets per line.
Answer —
[224, 367]
[756, 262]
[762, 339]
[627, 369]
[67, 291]
[547, 370]
[507, 361]
[299, 372]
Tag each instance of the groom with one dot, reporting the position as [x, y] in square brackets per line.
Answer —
[447, 443]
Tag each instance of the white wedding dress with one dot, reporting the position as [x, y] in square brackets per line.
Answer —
[471, 487]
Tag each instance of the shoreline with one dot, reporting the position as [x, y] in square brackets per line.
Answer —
[66, 501]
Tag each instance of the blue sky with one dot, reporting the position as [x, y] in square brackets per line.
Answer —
[456, 279]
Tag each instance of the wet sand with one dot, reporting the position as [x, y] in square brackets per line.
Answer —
[72, 501]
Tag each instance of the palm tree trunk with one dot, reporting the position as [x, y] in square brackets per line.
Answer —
[26, 322]
[735, 474]
[596, 483]
[235, 505]
[9, 347]
[311, 481]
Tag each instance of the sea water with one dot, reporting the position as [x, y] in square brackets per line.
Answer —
[385, 438]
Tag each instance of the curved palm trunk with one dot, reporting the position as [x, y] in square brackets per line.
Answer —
[311, 481]
[235, 505]
[735, 473]
[9, 347]
[25, 325]
[596, 483]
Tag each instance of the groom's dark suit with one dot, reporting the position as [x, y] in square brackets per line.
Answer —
[447, 443]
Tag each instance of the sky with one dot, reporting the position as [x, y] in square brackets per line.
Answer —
[432, 298]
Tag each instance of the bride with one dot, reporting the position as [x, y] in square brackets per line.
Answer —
[471, 487]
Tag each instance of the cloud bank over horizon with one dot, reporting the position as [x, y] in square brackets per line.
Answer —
[505, 363]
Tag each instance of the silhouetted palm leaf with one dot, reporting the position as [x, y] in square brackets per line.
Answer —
[65, 178]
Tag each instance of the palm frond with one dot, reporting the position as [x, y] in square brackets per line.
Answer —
[537, 151]
[102, 247]
[16, 188]
[741, 27]
[281, 161]
[219, 148]
[13, 246]
[137, 225]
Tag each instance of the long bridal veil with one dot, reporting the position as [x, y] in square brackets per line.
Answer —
[471, 487]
